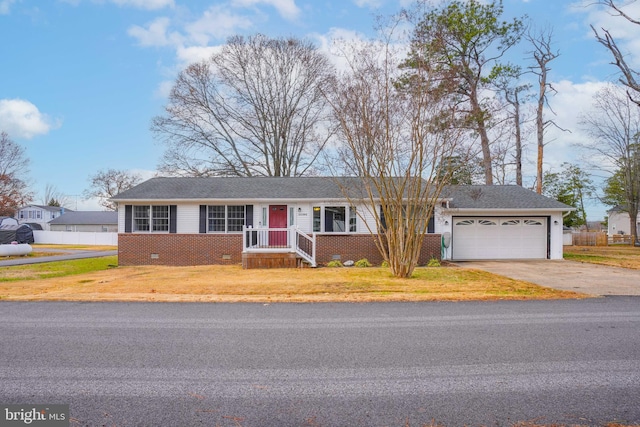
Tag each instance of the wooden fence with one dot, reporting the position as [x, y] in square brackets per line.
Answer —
[590, 238]
[620, 239]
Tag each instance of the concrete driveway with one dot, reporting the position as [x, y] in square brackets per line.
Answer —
[566, 275]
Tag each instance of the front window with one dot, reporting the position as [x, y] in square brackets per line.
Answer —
[226, 219]
[141, 218]
[151, 218]
[334, 219]
[160, 218]
[353, 219]
[316, 219]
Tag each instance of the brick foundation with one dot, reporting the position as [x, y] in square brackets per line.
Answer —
[355, 247]
[226, 249]
[179, 249]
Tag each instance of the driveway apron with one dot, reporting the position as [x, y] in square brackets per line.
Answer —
[565, 275]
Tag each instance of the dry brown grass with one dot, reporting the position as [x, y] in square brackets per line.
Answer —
[615, 255]
[233, 284]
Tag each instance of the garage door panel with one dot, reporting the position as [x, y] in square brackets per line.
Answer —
[499, 238]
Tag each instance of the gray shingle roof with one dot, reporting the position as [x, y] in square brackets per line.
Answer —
[321, 188]
[239, 188]
[86, 218]
[499, 197]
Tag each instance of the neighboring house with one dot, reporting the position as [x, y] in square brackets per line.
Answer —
[285, 221]
[39, 214]
[619, 222]
[96, 221]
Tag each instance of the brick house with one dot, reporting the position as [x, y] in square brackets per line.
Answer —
[262, 222]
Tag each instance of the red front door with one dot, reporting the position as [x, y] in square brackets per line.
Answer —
[278, 219]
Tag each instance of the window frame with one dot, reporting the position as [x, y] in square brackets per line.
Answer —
[232, 224]
[351, 221]
[155, 222]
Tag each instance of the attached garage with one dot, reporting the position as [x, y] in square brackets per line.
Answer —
[500, 222]
[476, 238]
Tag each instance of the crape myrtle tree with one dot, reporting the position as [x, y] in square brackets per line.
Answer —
[614, 128]
[466, 40]
[397, 129]
[255, 108]
[14, 166]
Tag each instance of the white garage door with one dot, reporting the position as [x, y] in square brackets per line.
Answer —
[499, 238]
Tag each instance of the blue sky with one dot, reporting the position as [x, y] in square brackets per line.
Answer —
[80, 80]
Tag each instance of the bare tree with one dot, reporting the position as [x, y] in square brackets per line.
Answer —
[467, 39]
[629, 75]
[398, 132]
[514, 95]
[542, 54]
[254, 109]
[108, 183]
[52, 197]
[614, 126]
[14, 166]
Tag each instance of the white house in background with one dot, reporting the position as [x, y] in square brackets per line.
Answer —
[39, 214]
[188, 221]
[92, 221]
[619, 222]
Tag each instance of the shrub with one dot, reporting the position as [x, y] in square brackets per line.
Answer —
[363, 263]
[433, 262]
[384, 264]
[334, 263]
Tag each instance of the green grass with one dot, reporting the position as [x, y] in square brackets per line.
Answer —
[585, 257]
[57, 269]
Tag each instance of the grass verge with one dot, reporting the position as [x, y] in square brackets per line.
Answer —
[615, 255]
[96, 280]
[50, 270]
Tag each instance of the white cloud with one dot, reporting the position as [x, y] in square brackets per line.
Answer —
[602, 18]
[155, 33]
[164, 89]
[5, 6]
[22, 119]
[145, 4]
[336, 42]
[372, 4]
[216, 22]
[286, 8]
[191, 54]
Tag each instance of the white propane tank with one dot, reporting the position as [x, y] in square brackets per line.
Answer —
[15, 249]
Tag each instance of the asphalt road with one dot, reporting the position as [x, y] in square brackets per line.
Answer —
[388, 364]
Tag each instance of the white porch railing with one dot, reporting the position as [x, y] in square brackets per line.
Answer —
[280, 240]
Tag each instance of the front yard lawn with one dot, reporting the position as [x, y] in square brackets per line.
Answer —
[98, 280]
